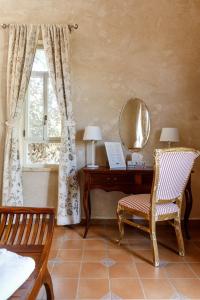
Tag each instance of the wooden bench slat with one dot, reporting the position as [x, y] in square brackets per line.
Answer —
[22, 231]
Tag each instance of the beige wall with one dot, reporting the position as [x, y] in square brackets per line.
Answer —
[149, 49]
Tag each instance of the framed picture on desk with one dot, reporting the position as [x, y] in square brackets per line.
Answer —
[115, 155]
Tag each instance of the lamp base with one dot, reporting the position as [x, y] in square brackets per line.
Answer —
[92, 166]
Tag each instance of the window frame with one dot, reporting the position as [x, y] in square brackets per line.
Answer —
[44, 75]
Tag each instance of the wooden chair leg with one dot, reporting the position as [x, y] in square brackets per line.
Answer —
[179, 236]
[120, 215]
[48, 286]
[154, 244]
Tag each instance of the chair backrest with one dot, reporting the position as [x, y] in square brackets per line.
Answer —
[172, 170]
[25, 226]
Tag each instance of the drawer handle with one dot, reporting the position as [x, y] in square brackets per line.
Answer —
[115, 178]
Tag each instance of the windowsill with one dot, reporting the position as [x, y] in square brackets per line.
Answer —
[40, 169]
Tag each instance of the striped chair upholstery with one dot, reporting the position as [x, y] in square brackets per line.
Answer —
[142, 203]
[172, 170]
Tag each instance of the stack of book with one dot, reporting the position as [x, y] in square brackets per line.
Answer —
[135, 164]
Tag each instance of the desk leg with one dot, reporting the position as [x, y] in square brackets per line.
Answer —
[87, 210]
[89, 206]
[188, 208]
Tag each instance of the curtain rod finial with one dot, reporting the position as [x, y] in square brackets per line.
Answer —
[4, 26]
[71, 27]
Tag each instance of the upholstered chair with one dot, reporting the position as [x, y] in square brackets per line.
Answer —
[172, 169]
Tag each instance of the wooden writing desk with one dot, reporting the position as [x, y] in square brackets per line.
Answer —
[129, 181]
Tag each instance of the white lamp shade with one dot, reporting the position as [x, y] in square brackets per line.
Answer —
[169, 135]
[92, 133]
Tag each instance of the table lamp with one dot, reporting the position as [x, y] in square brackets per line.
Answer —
[169, 135]
[92, 134]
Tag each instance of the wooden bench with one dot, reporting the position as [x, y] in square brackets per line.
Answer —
[28, 231]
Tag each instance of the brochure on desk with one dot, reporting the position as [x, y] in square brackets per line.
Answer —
[115, 155]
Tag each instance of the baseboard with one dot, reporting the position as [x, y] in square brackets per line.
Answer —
[101, 221]
[192, 222]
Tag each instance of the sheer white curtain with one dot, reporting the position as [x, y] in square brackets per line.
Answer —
[22, 45]
[56, 46]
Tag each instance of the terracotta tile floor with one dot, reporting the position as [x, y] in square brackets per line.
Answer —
[97, 268]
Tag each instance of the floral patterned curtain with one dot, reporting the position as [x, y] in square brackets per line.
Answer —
[56, 46]
[21, 51]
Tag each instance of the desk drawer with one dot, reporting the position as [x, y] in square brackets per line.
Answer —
[113, 179]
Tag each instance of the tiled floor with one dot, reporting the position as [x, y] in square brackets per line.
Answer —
[97, 268]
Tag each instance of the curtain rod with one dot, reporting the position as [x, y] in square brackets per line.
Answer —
[70, 26]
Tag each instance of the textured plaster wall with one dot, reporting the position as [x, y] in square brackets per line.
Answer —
[149, 49]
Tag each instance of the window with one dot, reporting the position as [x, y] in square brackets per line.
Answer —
[42, 121]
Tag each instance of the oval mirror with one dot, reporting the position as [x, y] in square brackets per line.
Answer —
[134, 124]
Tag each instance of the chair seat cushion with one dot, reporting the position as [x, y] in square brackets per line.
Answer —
[14, 271]
[141, 203]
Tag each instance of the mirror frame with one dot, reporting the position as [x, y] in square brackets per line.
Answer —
[119, 122]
